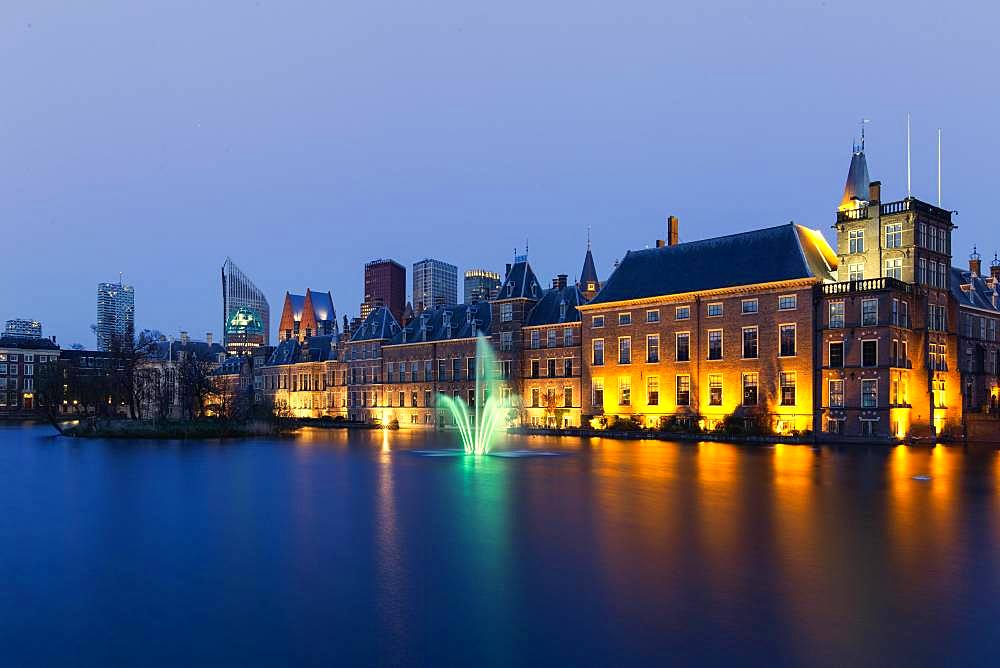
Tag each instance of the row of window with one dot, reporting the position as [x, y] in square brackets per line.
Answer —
[682, 389]
[928, 236]
[12, 368]
[979, 327]
[715, 345]
[550, 399]
[551, 338]
[748, 306]
[551, 366]
[412, 398]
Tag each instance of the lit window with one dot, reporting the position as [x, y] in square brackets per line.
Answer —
[506, 312]
[625, 391]
[787, 388]
[869, 393]
[652, 390]
[684, 390]
[894, 268]
[856, 272]
[837, 315]
[597, 391]
[715, 389]
[750, 384]
[598, 352]
[836, 393]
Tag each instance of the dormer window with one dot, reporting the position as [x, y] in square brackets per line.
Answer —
[510, 289]
[562, 310]
[534, 290]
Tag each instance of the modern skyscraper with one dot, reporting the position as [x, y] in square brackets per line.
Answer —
[24, 328]
[115, 313]
[481, 285]
[435, 283]
[239, 292]
[385, 285]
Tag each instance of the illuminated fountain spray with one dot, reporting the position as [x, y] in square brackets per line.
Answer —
[477, 430]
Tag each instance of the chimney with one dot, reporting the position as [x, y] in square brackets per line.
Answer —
[660, 243]
[184, 338]
[53, 338]
[208, 338]
[672, 230]
[562, 280]
[875, 191]
[976, 263]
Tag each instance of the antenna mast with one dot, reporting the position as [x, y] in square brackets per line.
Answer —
[908, 189]
[939, 166]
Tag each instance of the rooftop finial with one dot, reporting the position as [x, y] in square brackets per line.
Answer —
[975, 254]
[996, 260]
[588, 237]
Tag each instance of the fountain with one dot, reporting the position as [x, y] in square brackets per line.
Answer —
[478, 428]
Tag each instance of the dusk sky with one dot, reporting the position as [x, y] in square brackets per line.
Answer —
[304, 138]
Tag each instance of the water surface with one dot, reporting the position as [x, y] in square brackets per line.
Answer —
[337, 548]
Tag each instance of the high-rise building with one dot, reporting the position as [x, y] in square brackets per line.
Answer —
[385, 285]
[24, 328]
[240, 294]
[435, 283]
[481, 285]
[115, 313]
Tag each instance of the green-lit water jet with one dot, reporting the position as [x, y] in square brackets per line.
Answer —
[479, 425]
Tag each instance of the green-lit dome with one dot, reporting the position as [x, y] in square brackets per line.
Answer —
[245, 320]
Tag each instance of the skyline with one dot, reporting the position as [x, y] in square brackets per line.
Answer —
[197, 152]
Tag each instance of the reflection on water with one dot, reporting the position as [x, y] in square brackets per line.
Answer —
[345, 547]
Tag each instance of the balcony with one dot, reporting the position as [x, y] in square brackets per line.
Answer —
[916, 206]
[852, 214]
[867, 285]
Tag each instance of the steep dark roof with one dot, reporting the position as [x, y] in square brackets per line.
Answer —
[432, 324]
[549, 309]
[589, 273]
[27, 342]
[323, 306]
[313, 349]
[520, 282]
[380, 324]
[782, 253]
[199, 350]
[979, 294]
[856, 187]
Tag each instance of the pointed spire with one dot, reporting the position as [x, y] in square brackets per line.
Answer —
[589, 283]
[856, 188]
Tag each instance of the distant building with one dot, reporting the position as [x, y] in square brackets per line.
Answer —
[245, 332]
[481, 285]
[19, 358]
[303, 316]
[385, 285]
[435, 283]
[23, 327]
[115, 313]
[238, 291]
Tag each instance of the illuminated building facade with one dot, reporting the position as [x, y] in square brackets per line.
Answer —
[363, 362]
[435, 283]
[976, 298]
[385, 285]
[699, 332]
[244, 332]
[115, 313]
[238, 291]
[304, 316]
[20, 356]
[480, 285]
[306, 378]
[435, 353]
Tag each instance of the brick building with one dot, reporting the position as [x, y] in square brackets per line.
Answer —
[19, 358]
[306, 378]
[976, 299]
[700, 331]
[303, 316]
[385, 285]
